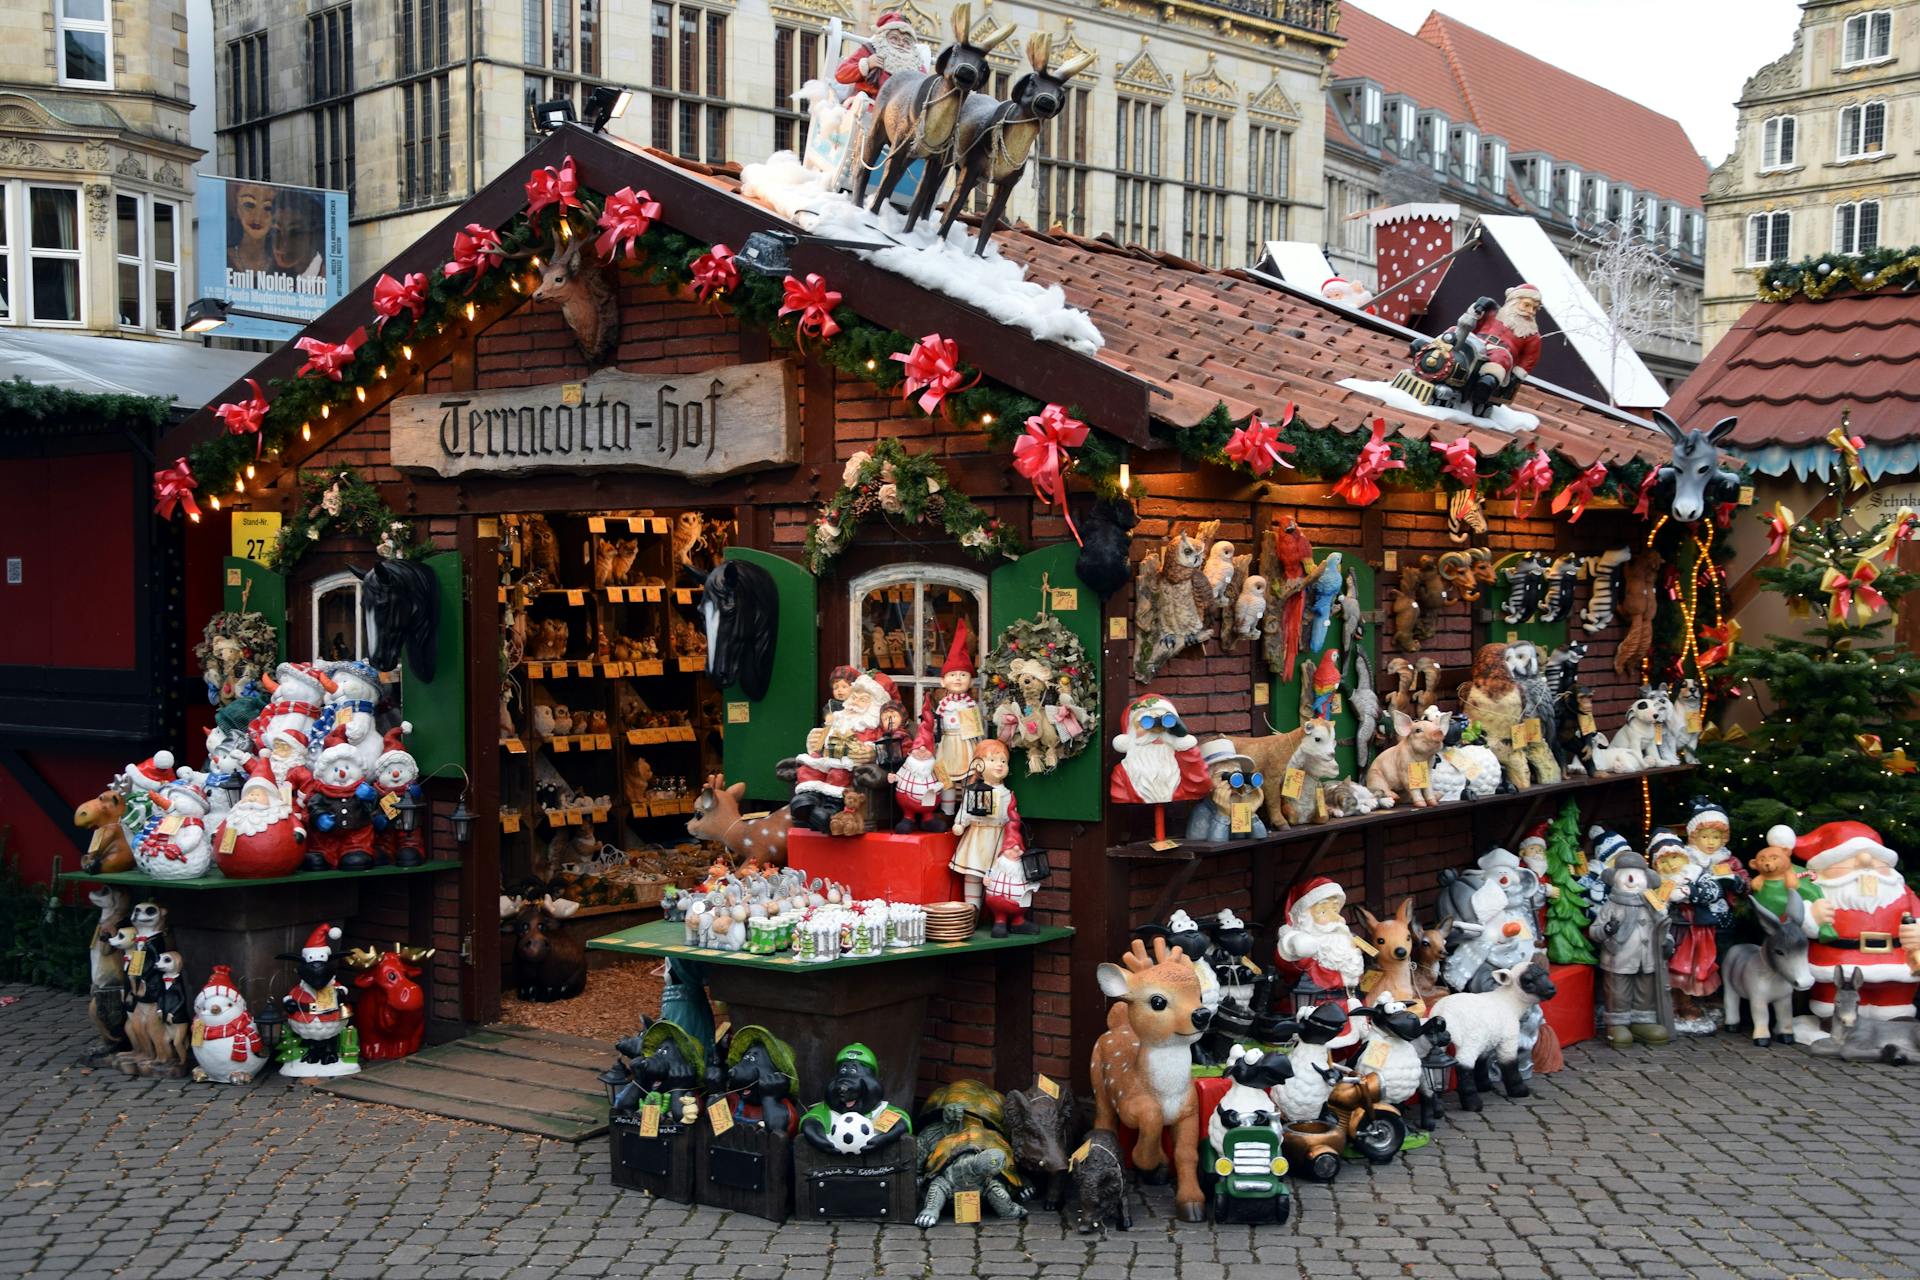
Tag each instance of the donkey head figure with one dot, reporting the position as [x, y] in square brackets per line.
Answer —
[1693, 481]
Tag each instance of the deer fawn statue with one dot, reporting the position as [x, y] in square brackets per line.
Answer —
[717, 816]
[1142, 1065]
[588, 300]
[993, 138]
[915, 115]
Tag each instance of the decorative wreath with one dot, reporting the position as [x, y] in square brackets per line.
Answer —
[902, 488]
[341, 503]
[1042, 649]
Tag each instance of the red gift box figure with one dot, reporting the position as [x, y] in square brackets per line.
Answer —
[1865, 916]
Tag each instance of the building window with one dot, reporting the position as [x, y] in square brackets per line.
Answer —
[1463, 159]
[1620, 204]
[1867, 37]
[426, 146]
[1863, 130]
[1566, 191]
[689, 89]
[1777, 142]
[1403, 119]
[1269, 186]
[1136, 192]
[1204, 226]
[146, 276]
[796, 60]
[903, 619]
[1063, 168]
[48, 250]
[85, 34]
[1768, 235]
[248, 100]
[1347, 228]
[6, 254]
[1433, 141]
[1495, 166]
[424, 36]
[1593, 199]
[1856, 226]
[337, 632]
[330, 42]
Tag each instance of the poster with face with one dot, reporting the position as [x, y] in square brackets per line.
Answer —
[277, 250]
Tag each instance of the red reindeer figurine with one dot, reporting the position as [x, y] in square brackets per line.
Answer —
[391, 1009]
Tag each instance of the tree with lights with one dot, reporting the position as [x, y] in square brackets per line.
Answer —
[1567, 913]
[1839, 738]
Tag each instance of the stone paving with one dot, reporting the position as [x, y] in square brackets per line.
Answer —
[1710, 1159]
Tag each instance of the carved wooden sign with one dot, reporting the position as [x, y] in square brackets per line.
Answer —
[699, 425]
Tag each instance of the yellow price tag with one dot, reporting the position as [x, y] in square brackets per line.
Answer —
[1116, 628]
[1080, 1153]
[1241, 820]
[1262, 694]
[576, 598]
[650, 1120]
[254, 533]
[1292, 783]
[1376, 1055]
[171, 824]
[970, 722]
[887, 1118]
[136, 963]
[390, 805]
[1319, 804]
[1693, 722]
[739, 713]
[228, 837]
[966, 1207]
[1046, 1085]
[1065, 599]
[199, 1033]
[1587, 724]
[1419, 775]
[720, 1116]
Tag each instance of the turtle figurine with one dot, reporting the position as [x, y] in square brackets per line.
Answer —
[973, 1169]
[967, 1150]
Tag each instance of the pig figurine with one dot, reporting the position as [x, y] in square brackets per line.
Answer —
[1099, 1185]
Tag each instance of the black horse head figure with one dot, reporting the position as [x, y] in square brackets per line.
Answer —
[1693, 480]
[741, 609]
[401, 602]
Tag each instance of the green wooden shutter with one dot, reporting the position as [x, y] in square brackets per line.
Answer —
[264, 591]
[1072, 792]
[1548, 635]
[1283, 712]
[761, 734]
[437, 709]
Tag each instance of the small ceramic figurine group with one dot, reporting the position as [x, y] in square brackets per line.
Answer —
[149, 1019]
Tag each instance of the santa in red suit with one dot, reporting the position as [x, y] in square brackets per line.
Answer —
[1865, 920]
[264, 832]
[823, 772]
[891, 49]
[1512, 338]
[1160, 760]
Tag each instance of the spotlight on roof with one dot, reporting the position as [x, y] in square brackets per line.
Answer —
[606, 104]
[204, 315]
[548, 116]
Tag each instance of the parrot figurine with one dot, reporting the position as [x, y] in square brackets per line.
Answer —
[1326, 684]
[1286, 563]
[1322, 591]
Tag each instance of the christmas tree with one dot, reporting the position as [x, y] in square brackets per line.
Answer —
[1838, 737]
[1567, 915]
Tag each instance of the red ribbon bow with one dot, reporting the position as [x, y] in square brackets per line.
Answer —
[1041, 456]
[1643, 499]
[1257, 446]
[626, 217]
[1463, 462]
[245, 418]
[1853, 591]
[475, 250]
[1534, 478]
[1376, 458]
[714, 272]
[391, 297]
[173, 489]
[329, 358]
[1725, 637]
[814, 302]
[1580, 491]
[934, 363]
[550, 187]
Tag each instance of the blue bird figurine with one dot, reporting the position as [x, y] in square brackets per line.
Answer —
[1321, 593]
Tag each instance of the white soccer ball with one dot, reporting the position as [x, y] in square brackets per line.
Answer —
[851, 1132]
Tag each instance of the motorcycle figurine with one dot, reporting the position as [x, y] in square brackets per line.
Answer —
[1450, 369]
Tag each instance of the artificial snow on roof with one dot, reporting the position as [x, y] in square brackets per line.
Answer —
[1300, 262]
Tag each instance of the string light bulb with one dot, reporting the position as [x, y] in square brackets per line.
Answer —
[215, 500]
[406, 351]
[514, 281]
[239, 485]
[306, 431]
[249, 471]
[1126, 477]
[195, 516]
[326, 411]
[381, 373]
[536, 262]
[986, 419]
[471, 310]
[360, 394]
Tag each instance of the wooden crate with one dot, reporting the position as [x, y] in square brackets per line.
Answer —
[878, 1187]
[663, 1166]
[748, 1169]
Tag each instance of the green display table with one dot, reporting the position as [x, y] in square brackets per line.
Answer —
[879, 1000]
[138, 880]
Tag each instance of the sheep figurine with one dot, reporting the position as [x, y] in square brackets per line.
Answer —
[1485, 1028]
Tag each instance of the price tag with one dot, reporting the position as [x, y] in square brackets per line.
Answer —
[390, 805]
[1376, 1055]
[1419, 775]
[286, 793]
[887, 1118]
[1659, 734]
[603, 741]
[228, 837]
[325, 999]
[1046, 1085]
[739, 713]
[1319, 804]
[1292, 783]
[1366, 948]
[576, 598]
[1587, 724]
[1513, 637]
[966, 1207]
[720, 1116]
[1390, 561]
[1334, 710]
[1262, 693]
[1693, 722]
[171, 824]
[572, 393]
[254, 533]
[1064, 599]
[1116, 628]
[970, 723]
[596, 524]
[136, 963]
[1240, 822]
[1525, 732]
[562, 745]
[1080, 1153]
[536, 670]
[650, 1120]
[1746, 495]
[199, 1033]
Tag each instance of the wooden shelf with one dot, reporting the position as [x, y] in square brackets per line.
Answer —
[135, 879]
[591, 668]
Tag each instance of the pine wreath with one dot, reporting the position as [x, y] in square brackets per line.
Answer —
[340, 504]
[1069, 705]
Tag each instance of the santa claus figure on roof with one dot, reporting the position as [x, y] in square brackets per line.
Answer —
[892, 48]
[842, 745]
[1511, 334]
[1160, 761]
[1865, 920]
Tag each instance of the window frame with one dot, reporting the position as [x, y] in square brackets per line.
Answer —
[103, 27]
[146, 261]
[1143, 187]
[795, 44]
[1776, 251]
[1866, 24]
[921, 575]
[1860, 110]
[1064, 172]
[1207, 194]
[325, 586]
[1854, 208]
[1269, 203]
[1772, 130]
[690, 123]
[22, 253]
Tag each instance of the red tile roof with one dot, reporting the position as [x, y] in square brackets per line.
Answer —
[1787, 369]
[1399, 61]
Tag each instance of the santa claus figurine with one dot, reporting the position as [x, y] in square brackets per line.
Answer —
[264, 833]
[1160, 760]
[340, 808]
[951, 726]
[1315, 947]
[1512, 337]
[396, 776]
[317, 1013]
[891, 49]
[844, 742]
[988, 824]
[1865, 917]
[286, 750]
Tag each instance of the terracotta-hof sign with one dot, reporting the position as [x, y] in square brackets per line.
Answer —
[700, 425]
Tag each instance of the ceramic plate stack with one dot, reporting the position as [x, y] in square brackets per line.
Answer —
[950, 921]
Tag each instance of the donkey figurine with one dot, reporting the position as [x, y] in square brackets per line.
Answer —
[914, 117]
[1767, 975]
[1693, 480]
[1858, 1039]
[993, 138]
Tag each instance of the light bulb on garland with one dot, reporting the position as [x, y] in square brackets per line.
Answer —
[360, 394]
[406, 351]
[214, 501]
[306, 431]
[471, 312]
[326, 411]
[381, 373]
[249, 471]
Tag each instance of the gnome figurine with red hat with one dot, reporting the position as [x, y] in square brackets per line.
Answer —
[264, 832]
[226, 1045]
[952, 725]
[396, 776]
[317, 1013]
[340, 808]
[1316, 947]
[1866, 920]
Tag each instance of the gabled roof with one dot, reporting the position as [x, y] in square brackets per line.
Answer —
[1399, 61]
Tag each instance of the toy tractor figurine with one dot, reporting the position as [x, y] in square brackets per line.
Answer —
[1482, 361]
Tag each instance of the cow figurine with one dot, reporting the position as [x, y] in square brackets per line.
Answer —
[551, 963]
[391, 1008]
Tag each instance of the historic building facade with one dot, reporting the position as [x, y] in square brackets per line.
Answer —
[1827, 158]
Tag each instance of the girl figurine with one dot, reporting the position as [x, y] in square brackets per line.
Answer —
[986, 821]
[952, 725]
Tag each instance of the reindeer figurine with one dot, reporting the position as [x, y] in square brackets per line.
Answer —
[588, 300]
[914, 117]
[993, 138]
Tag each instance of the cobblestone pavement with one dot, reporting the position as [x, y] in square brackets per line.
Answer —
[1711, 1159]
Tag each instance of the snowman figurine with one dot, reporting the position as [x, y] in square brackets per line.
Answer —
[228, 753]
[349, 711]
[226, 1045]
[340, 808]
[396, 776]
[177, 848]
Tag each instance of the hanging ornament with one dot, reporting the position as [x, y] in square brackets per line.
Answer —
[173, 490]
[245, 418]
[1360, 485]
[714, 273]
[1852, 591]
[1725, 638]
[1258, 447]
[814, 303]
[1534, 478]
[1779, 524]
[553, 188]
[391, 297]
[627, 216]
[1462, 461]
[1895, 761]
[329, 358]
[933, 363]
[1041, 456]
[1849, 447]
[1580, 491]
[1904, 526]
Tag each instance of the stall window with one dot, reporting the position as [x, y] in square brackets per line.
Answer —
[335, 619]
[904, 618]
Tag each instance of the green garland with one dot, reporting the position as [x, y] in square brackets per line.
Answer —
[911, 488]
[1816, 277]
[338, 503]
[29, 406]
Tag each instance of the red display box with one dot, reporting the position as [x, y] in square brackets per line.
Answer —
[1570, 1012]
[1211, 1090]
[880, 864]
